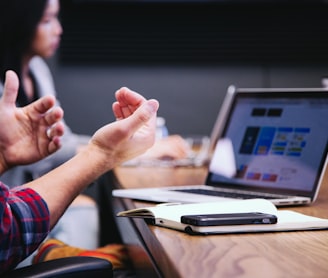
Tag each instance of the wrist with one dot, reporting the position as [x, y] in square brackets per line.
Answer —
[97, 159]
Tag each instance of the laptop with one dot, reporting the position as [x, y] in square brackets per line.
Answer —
[266, 143]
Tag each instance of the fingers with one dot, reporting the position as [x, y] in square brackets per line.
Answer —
[143, 115]
[54, 116]
[127, 102]
[117, 111]
[128, 97]
[56, 130]
[54, 145]
[43, 104]
[54, 134]
[10, 88]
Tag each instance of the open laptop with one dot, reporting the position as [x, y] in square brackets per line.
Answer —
[267, 143]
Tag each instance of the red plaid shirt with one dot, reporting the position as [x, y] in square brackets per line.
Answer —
[24, 224]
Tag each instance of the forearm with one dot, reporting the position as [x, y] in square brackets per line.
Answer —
[60, 186]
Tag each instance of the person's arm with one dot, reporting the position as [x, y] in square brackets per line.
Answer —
[25, 210]
[29, 133]
[131, 135]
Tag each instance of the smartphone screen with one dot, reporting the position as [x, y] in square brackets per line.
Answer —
[229, 219]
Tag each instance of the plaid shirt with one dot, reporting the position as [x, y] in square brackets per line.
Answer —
[24, 224]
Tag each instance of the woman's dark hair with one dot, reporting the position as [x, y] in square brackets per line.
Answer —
[18, 22]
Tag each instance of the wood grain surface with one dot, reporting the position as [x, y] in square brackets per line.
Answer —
[282, 254]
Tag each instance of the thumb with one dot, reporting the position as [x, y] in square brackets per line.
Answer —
[142, 115]
[10, 88]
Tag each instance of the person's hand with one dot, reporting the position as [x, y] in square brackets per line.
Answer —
[131, 135]
[133, 132]
[30, 133]
[168, 148]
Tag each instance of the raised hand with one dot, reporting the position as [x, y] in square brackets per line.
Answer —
[30, 133]
[111, 145]
[133, 133]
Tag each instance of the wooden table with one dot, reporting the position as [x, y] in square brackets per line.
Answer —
[161, 252]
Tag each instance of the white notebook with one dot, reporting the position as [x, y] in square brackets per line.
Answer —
[169, 215]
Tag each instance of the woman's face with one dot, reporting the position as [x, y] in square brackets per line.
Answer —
[48, 32]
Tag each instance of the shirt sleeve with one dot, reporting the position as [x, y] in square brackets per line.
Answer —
[24, 224]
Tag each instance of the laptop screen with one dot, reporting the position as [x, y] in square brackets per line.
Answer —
[278, 141]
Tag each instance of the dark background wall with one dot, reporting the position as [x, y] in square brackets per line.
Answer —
[185, 54]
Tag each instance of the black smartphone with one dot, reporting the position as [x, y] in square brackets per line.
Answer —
[229, 219]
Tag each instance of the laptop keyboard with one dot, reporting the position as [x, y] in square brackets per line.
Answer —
[234, 195]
